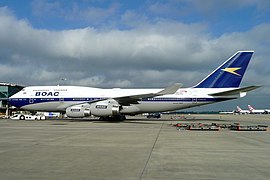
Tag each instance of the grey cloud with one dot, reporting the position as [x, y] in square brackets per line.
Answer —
[150, 55]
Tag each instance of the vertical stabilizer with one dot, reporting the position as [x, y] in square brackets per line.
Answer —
[229, 74]
[238, 109]
[250, 108]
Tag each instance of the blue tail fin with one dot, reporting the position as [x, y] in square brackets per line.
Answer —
[229, 74]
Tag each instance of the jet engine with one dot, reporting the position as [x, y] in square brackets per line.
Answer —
[78, 111]
[101, 109]
[105, 110]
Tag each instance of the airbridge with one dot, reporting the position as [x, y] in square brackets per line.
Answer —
[7, 90]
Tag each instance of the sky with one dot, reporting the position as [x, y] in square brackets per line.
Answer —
[134, 44]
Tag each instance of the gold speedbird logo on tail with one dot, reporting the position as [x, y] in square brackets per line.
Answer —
[232, 70]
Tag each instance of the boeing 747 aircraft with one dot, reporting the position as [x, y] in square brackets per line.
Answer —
[109, 104]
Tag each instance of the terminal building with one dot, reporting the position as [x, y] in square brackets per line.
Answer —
[7, 90]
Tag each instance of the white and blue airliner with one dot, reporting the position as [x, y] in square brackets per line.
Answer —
[78, 102]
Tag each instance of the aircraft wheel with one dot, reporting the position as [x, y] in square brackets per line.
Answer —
[122, 117]
[102, 118]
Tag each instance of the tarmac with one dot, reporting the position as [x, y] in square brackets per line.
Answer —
[137, 148]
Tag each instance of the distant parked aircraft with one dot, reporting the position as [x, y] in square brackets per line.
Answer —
[227, 112]
[258, 111]
[241, 111]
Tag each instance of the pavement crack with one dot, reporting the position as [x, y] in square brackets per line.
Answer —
[152, 149]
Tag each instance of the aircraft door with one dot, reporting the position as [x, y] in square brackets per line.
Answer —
[31, 100]
[194, 100]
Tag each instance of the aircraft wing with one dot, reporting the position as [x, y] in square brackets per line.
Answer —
[235, 91]
[133, 99]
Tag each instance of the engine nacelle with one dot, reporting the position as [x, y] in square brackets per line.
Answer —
[100, 109]
[78, 111]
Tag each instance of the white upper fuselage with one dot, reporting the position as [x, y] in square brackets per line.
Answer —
[58, 98]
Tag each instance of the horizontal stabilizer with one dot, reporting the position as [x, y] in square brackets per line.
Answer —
[235, 91]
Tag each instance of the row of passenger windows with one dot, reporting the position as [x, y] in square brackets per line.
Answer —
[42, 90]
[93, 99]
[169, 99]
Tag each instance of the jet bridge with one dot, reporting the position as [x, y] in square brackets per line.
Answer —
[7, 90]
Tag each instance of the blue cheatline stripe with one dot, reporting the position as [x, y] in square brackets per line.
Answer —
[26, 101]
[19, 102]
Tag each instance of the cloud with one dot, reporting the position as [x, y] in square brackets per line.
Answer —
[208, 7]
[43, 7]
[75, 11]
[93, 15]
[147, 55]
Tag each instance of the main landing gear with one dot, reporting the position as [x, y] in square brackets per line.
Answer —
[113, 118]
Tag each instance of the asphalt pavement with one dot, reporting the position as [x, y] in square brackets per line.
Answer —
[137, 148]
